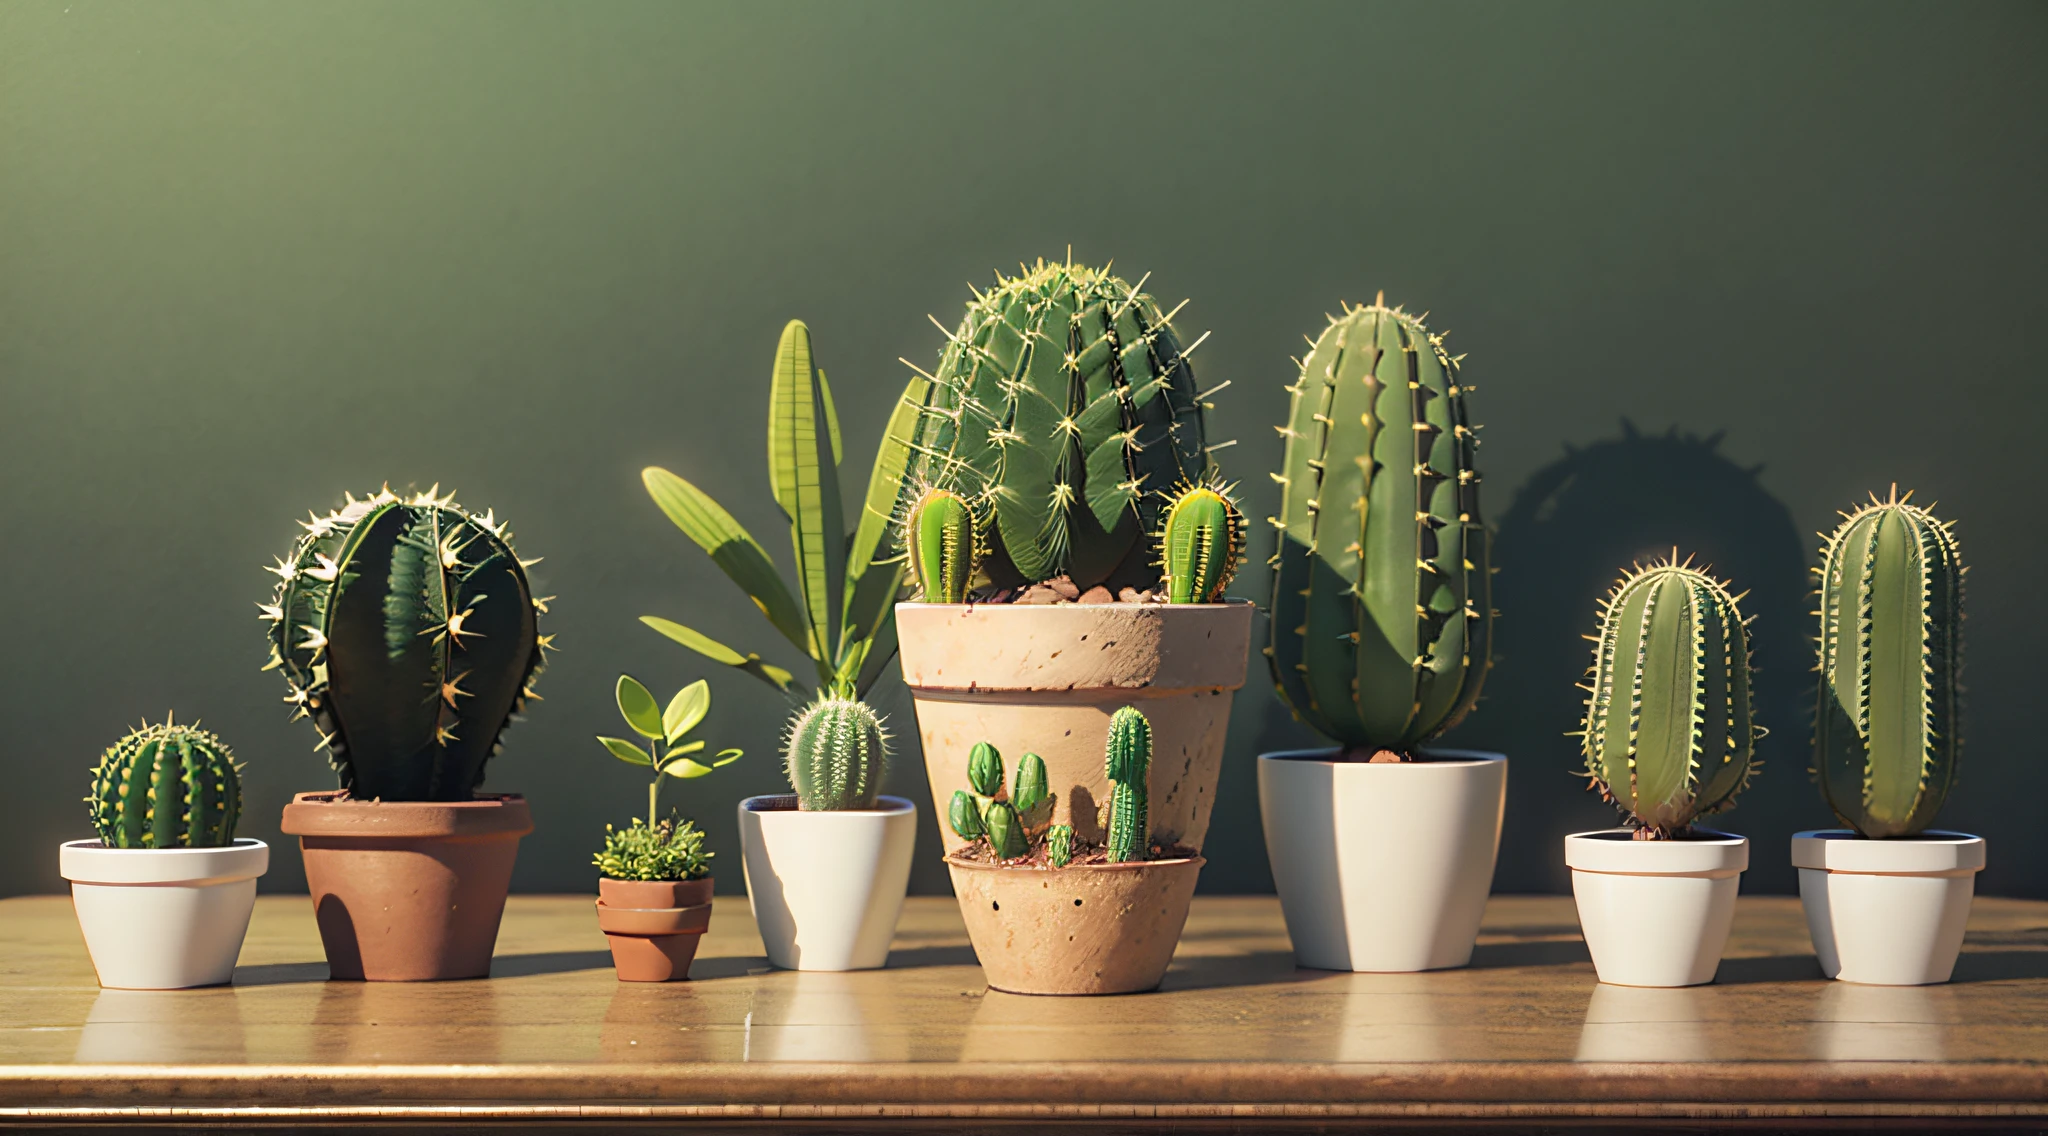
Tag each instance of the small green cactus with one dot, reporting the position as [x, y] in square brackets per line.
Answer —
[1128, 757]
[1007, 821]
[1201, 543]
[1059, 845]
[835, 755]
[167, 786]
[940, 537]
[1668, 736]
[1887, 731]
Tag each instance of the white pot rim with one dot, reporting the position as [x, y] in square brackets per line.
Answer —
[1616, 852]
[90, 862]
[1440, 758]
[1934, 852]
[886, 807]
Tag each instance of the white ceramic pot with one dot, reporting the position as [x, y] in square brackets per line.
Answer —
[827, 886]
[1887, 912]
[1655, 912]
[1382, 867]
[163, 918]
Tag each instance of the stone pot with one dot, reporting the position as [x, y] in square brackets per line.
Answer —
[408, 891]
[1082, 929]
[1887, 912]
[1045, 678]
[653, 926]
[826, 887]
[1656, 912]
[163, 918]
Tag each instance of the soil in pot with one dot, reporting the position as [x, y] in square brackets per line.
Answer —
[1087, 928]
[653, 926]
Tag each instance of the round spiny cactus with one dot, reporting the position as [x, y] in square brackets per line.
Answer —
[167, 786]
[836, 754]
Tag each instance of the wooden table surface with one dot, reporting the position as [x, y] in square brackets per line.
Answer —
[1237, 1037]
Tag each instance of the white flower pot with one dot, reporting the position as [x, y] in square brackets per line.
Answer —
[1887, 912]
[163, 918]
[1382, 867]
[827, 886]
[1655, 912]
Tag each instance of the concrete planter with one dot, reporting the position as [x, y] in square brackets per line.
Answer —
[1082, 929]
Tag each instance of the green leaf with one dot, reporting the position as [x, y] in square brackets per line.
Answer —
[735, 551]
[687, 747]
[638, 707]
[806, 485]
[831, 414]
[727, 757]
[712, 649]
[871, 585]
[685, 710]
[686, 768]
[626, 751]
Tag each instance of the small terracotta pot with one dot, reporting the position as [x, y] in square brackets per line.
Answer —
[1083, 929]
[408, 891]
[653, 926]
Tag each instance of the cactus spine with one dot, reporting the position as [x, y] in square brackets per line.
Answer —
[1887, 731]
[1007, 821]
[940, 540]
[1201, 543]
[166, 786]
[1668, 736]
[1382, 624]
[1128, 757]
[836, 755]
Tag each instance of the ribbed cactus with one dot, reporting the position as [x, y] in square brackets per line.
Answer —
[406, 630]
[836, 755]
[1888, 728]
[1059, 845]
[1007, 821]
[939, 534]
[1201, 543]
[1062, 407]
[166, 786]
[1128, 756]
[1382, 618]
[1668, 736]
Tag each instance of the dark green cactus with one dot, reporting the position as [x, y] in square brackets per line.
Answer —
[1668, 736]
[1062, 408]
[836, 755]
[407, 631]
[1007, 821]
[1059, 845]
[1382, 617]
[1888, 728]
[940, 538]
[166, 786]
[1128, 758]
[1201, 543]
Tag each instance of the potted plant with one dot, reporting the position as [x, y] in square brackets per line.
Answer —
[827, 866]
[406, 630]
[1668, 739]
[164, 895]
[1887, 897]
[1382, 633]
[1051, 912]
[654, 877]
[1061, 426]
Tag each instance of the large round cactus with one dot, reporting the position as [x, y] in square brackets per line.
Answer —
[166, 786]
[1888, 728]
[836, 755]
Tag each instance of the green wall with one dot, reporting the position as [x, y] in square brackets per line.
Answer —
[252, 255]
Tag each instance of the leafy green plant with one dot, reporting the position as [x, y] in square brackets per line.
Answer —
[1009, 821]
[167, 786]
[666, 753]
[671, 849]
[836, 755]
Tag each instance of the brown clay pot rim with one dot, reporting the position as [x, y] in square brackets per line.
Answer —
[1089, 606]
[1127, 866]
[331, 814]
[653, 922]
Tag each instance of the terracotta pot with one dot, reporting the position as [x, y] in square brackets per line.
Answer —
[1084, 929]
[653, 926]
[1044, 679]
[408, 891]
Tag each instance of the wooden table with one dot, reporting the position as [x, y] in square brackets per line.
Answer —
[1237, 1038]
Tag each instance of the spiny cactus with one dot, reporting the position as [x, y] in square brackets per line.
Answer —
[1201, 543]
[1382, 617]
[167, 786]
[1888, 728]
[1128, 757]
[939, 535]
[836, 755]
[1061, 408]
[1668, 736]
[1059, 845]
[406, 630]
[1007, 821]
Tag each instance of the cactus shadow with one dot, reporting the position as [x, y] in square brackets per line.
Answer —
[1252, 968]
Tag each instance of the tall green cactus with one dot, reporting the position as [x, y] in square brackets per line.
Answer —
[1888, 728]
[407, 631]
[1668, 736]
[939, 536]
[167, 786]
[1382, 618]
[1062, 408]
[836, 755]
[1201, 543]
[1128, 757]
[1009, 821]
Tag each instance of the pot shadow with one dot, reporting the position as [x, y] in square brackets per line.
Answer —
[280, 974]
[1999, 966]
[1536, 952]
[1253, 968]
[1767, 968]
[548, 962]
[905, 957]
[734, 966]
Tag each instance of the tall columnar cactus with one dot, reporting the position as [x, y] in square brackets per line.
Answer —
[1128, 757]
[1668, 736]
[1008, 821]
[407, 631]
[1888, 728]
[1062, 408]
[1201, 543]
[1382, 618]
[939, 535]
[836, 755]
[166, 786]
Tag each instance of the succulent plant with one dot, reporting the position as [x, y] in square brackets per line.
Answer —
[1201, 543]
[666, 753]
[1062, 409]
[1382, 618]
[836, 755]
[167, 786]
[1059, 845]
[939, 537]
[669, 849]
[1888, 728]
[1128, 756]
[407, 631]
[1008, 821]
[1668, 736]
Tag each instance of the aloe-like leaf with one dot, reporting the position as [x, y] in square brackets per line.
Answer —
[873, 576]
[831, 414]
[685, 710]
[806, 485]
[731, 547]
[638, 707]
[712, 649]
[626, 751]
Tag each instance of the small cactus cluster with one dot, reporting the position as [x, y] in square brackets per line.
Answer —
[406, 630]
[1887, 729]
[1668, 736]
[1011, 820]
[1129, 759]
[167, 786]
[836, 754]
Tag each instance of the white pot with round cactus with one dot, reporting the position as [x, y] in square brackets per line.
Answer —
[1886, 897]
[1668, 739]
[164, 895]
